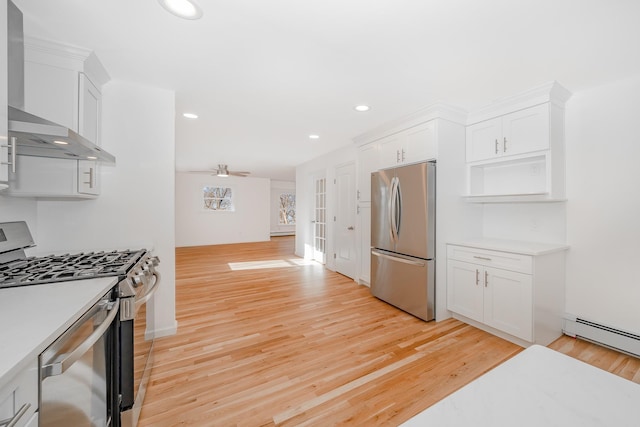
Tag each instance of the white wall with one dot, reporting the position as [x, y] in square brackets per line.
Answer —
[531, 222]
[277, 188]
[20, 209]
[136, 206]
[196, 226]
[603, 208]
[305, 173]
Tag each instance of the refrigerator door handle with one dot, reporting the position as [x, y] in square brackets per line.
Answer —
[398, 259]
[398, 208]
[393, 209]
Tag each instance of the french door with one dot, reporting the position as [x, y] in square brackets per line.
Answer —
[320, 220]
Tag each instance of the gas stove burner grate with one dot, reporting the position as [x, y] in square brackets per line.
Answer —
[58, 268]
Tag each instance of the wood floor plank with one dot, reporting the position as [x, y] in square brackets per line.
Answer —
[265, 339]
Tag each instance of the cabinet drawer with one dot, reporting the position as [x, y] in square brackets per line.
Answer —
[505, 260]
[20, 394]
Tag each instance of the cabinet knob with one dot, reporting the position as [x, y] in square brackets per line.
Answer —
[504, 144]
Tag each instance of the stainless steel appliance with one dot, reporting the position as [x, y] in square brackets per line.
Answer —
[77, 384]
[403, 238]
[129, 356]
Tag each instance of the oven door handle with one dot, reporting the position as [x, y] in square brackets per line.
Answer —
[65, 361]
[148, 295]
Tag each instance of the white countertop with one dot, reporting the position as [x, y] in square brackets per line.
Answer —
[514, 246]
[538, 387]
[32, 317]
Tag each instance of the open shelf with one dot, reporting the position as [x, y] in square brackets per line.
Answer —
[525, 177]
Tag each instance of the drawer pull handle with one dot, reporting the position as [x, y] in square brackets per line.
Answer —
[486, 279]
[481, 257]
[496, 145]
[477, 277]
[14, 420]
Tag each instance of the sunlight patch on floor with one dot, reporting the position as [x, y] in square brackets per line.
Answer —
[276, 263]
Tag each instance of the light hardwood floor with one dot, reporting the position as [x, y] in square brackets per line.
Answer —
[266, 339]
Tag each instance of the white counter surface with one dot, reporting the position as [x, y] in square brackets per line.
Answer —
[515, 246]
[539, 387]
[32, 317]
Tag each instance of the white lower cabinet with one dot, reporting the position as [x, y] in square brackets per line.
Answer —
[517, 296]
[19, 398]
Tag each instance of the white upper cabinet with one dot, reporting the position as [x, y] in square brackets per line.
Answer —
[515, 148]
[412, 145]
[62, 84]
[520, 132]
[89, 109]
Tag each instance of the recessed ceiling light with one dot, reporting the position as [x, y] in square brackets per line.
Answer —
[186, 9]
[314, 136]
[61, 142]
[190, 115]
[362, 108]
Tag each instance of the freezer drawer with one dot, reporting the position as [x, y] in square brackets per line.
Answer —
[405, 282]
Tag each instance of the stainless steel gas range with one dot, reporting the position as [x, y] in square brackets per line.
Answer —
[98, 369]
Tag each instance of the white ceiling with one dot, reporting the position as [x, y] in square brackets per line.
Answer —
[263, 75]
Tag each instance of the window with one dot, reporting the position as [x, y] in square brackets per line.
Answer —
[218, 199]
[287, 209]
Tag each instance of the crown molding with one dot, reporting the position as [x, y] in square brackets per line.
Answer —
[67, 56]
[552, 92]
[435, 111]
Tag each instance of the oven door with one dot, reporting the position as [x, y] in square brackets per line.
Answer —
[77, 381]
[136, 356]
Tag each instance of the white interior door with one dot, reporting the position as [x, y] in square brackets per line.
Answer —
[320, 219]
[345, 220]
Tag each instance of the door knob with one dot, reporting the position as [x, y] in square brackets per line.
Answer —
[350, 228]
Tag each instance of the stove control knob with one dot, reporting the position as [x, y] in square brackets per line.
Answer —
[139, 278]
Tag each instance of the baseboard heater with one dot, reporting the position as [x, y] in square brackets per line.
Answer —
[607, 336]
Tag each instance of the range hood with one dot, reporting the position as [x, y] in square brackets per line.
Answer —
[34, 135]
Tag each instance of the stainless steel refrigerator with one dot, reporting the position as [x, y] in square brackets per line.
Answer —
[403, 211]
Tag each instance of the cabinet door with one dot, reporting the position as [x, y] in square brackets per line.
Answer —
[419, 143]
[464, 289]
[508, 302]
[391, 151]
[525, 131]
[483, 140]
[364, 212]
[88, 177]
[89, 109]
[367, 163]
[51, 92]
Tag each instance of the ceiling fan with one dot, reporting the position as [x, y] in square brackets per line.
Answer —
[223, 172]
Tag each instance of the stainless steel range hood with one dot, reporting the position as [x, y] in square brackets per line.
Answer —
[39, 137]
[34, 135]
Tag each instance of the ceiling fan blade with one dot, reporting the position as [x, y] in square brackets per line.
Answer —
[243, 174]
[210, 171]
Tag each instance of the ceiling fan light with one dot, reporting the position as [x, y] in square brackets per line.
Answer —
[222, 171]
[186, 9]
